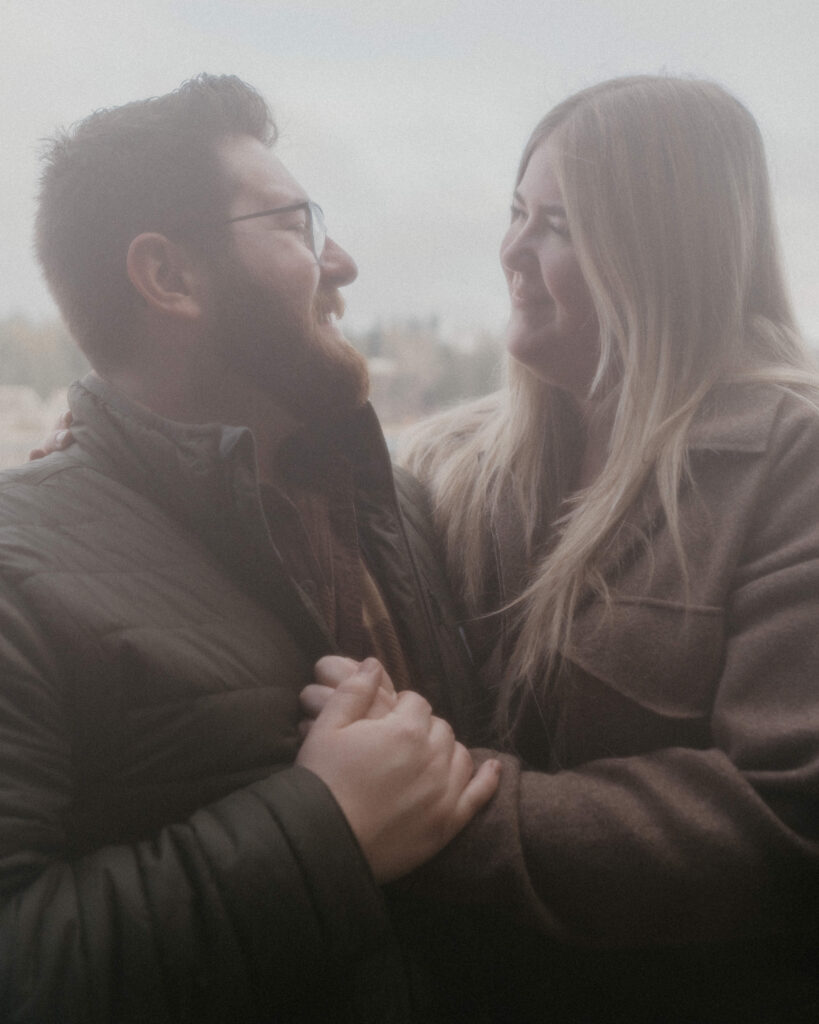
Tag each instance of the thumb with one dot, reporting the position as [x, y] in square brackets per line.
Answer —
[353, 697]
[479, 790]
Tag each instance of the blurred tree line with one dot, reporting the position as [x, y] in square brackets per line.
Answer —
[414, 370]
[40, 355]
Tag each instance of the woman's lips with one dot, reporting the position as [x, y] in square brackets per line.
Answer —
[525, 293]
[527, 297]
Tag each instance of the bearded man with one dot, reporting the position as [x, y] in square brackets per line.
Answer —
[169, 850]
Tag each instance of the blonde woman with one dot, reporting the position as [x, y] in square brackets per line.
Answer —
[633, 528]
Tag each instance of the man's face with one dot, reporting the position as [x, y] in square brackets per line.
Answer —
[274, 309]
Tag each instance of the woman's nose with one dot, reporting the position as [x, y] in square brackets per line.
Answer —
[516, 252]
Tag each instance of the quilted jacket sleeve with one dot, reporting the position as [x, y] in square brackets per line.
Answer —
[234, 914]
[684, 844]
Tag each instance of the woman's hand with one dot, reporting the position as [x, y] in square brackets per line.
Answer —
[332, 670]
[59, 438]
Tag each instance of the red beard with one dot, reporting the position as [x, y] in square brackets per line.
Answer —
[304, 364]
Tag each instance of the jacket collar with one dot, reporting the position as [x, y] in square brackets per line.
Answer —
[196, 469]
[204, 476]
[192, 470]
[734, 417]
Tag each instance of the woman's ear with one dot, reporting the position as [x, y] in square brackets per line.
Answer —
[165, 276]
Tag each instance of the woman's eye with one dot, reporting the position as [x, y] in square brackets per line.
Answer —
[515, 213]
[560, 227]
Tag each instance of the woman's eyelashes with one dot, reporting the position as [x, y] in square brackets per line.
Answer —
[549, 223]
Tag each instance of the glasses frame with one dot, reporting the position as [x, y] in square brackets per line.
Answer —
[317, 229]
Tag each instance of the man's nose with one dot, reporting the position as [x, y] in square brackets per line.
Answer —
[337, 266]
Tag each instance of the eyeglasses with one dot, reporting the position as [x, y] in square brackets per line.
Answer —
[315, 230]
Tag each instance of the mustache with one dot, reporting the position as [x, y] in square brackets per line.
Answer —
[329, 304]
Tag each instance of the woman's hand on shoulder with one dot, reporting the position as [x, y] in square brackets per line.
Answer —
[60, 437]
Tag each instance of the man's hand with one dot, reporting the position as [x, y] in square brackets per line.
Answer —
[59, 438]
[403, 782]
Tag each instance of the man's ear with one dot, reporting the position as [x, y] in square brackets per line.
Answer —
[165, 276]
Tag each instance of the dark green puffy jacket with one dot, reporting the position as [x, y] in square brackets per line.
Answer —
[161, 859]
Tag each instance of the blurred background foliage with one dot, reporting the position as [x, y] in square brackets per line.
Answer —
[40, 356]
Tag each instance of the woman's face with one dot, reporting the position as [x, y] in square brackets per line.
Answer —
[553, 327]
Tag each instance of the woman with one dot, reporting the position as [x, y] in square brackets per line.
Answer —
[633, 526]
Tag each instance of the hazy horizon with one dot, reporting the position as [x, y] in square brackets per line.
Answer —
[406, 120]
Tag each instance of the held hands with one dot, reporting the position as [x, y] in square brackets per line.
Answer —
[402, 781]
[405, 785]
[332, 670]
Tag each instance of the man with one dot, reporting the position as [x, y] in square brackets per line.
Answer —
[226, 517]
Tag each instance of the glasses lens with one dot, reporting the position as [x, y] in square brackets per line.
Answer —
[318, 229]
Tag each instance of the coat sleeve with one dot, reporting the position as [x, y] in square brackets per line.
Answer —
[684, 844]
[233, 914]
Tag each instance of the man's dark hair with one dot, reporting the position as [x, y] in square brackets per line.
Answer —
[146, 166]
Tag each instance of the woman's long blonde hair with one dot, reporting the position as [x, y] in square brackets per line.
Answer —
[667, 199]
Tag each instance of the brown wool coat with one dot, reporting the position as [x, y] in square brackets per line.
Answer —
[684, 815]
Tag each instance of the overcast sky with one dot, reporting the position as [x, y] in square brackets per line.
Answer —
[405, 120]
